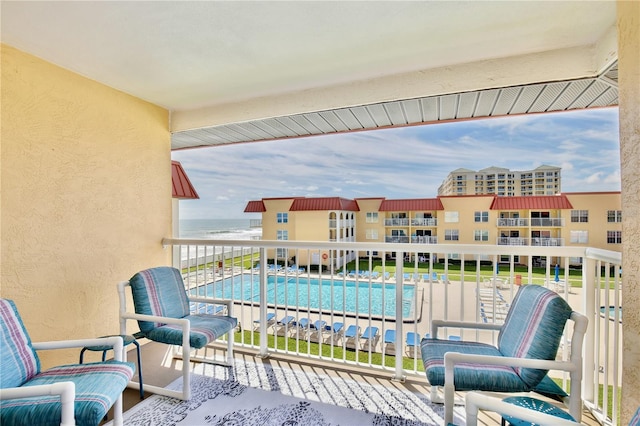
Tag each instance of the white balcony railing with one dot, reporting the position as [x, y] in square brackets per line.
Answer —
[516, 222]
[512, 241]
[424, 221]
[547, 221]
[396, 222]
[369, 285]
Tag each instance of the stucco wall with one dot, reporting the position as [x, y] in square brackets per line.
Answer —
[86, 197]
[629, 83]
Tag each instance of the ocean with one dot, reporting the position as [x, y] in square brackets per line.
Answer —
[219, 229]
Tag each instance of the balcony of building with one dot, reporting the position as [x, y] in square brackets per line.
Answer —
[396, 221]
[403, 288]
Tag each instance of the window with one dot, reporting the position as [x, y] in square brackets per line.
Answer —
[372, 234]
[481, 216]
[451, 235]
[580, 216]
[282, 234]
[283, 218]
[480, 235]
[451, 217]
[614, 216]
[579, 237]
[614, 237]
[372, 217]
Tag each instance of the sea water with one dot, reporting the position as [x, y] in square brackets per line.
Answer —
[215, 229]
[218, 229]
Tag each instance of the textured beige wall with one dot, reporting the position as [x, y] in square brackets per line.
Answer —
[86, 197]
[629, 89]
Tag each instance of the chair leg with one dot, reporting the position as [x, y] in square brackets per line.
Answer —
[435, 395]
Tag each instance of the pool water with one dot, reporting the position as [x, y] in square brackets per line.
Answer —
[326, 295]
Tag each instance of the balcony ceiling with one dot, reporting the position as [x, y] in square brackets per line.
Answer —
[234, 72]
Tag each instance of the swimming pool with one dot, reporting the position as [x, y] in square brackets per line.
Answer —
[317, 294]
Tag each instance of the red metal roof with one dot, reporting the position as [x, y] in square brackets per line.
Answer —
[532, 202]
[416, 204]
[255, 207]
[182, 187]
[328, 203]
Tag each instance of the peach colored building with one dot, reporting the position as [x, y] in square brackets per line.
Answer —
[591, 219]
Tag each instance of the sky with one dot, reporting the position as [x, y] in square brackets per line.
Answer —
[398, 163]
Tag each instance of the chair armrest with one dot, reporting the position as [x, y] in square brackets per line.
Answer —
[153, 318]
[114, 341]
[435, 324]
[66, 391]
[476, 401]
[208, 300]
[451, 358]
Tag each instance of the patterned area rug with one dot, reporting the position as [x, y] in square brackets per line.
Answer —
[258, 394]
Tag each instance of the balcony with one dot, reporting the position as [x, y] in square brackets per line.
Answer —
[547, 222]
[512, 241]
[512, 222]
[396, 222]
[240, 271]
[427, 221]
[547, 242]
[396, 239]
[424, 239]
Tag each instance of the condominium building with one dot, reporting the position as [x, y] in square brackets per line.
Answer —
[591, 219]
[543, 180]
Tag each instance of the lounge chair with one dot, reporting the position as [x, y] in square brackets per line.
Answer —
[390, 342]
[444, 279]
[271, 319]
[315, 330]
[352, 336]
[413, 342]
[334, 333]
[370, 338]
[67, 394]
[283, 326]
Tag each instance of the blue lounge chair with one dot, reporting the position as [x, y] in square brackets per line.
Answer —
[283, 326]
[334, 332]
[370, 338]
[413, 342]
[352, 336]
[314, 332]
[271, 319]
[390, 342]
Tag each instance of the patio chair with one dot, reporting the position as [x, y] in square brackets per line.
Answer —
[528, 342]
[65, 395]
[370, 338]
[412, 342]
[315, 330]
[334, 333]
[352, 336]
[163, 311]
[390, 341]
[284, 325]
[271, 319]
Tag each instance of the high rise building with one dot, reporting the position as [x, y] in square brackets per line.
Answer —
[543, 180]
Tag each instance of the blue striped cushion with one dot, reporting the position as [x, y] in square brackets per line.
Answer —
[204, 329]
[98, 385]
[533, 328]
[18, 361]
[159, 291]
[469, 376]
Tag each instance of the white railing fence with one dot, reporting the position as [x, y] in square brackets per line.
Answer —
[388, 294]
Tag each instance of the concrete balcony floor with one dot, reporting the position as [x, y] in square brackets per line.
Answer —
[160, 369]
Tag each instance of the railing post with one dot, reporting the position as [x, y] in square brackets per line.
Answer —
[398, 376]
[588, 306]
[263, 303]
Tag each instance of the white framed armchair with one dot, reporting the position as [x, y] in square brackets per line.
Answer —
[67, 394]
[166, 314]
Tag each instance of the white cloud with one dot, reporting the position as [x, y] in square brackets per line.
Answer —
[405, 162]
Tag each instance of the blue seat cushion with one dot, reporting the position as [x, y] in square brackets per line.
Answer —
[533, 328]
[469, 376]
[159, 291]
[204, 329]
[98, 386]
